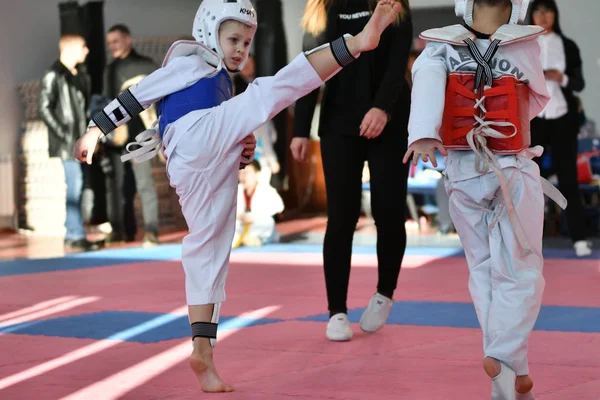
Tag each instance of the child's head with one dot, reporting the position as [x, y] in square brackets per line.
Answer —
[514, 10]
[489, 15]
[235, 39]
[250, 175]
[227, 27]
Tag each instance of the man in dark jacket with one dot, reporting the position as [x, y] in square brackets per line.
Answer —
[63, 105]
[124, 179]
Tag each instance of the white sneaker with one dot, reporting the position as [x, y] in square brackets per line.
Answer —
[376, 314]
[583, 248]
[338, 328]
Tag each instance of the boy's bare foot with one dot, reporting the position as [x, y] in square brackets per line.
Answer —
[524, 384]
[492, 368]
[201, 362]
[385, 13]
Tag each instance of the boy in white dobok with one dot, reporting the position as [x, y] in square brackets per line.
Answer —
[476, 88]
[200, 129]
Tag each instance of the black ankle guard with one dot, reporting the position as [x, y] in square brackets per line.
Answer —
[340, 52]
[204, 330]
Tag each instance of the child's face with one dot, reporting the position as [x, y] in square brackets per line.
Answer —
[235, 39]
[249, 177]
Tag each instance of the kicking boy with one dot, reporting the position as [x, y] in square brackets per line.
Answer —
[201, 128]
[476, 88]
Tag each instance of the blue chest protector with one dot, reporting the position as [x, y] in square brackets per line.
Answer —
[206, 93]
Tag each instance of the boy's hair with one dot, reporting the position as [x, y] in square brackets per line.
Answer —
[121, 28]
[256, 165]
[493, 3]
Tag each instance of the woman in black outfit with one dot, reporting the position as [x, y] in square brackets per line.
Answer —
[364, 117]
[557, 127]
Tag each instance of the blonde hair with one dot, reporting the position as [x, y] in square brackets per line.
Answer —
[314, 19]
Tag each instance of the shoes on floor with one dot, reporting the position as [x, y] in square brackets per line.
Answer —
[339, 329]
[376, 314]
[150, 239]
[81, 245]
[583, 248]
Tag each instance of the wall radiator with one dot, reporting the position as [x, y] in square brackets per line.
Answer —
[7, 193]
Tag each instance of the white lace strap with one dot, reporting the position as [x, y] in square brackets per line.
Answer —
[554, 194]
[148, 142]
[477, 142]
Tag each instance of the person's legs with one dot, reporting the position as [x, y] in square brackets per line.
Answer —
[114, 172]
[74, 221]
[469, 206]
[517, 280]
[208, 202]
[563, 143]
[97, 182]
[129, 191]
[144, 183]
[388, 203]
[343, 159]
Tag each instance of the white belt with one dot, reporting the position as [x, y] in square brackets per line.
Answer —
[486, 160]
[148, 143]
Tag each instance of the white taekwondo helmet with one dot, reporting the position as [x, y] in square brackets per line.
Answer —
[212, 13]
[464, 8]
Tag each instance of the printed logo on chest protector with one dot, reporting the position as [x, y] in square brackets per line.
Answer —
[499, 65]
[246, 12]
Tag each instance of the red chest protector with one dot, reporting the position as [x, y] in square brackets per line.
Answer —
[506, 102]
[496, 112]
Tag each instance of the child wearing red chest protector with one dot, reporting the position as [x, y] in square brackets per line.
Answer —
[476, 86]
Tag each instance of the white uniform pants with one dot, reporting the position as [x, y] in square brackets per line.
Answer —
[506, 287]
[202, 166]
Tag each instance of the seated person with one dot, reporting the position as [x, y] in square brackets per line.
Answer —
[258, 202]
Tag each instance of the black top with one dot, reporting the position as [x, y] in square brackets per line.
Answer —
[375, 79]
[576, 82]
[63, 106]
[120, 71]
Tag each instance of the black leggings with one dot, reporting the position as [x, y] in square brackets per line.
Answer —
[559, 136]
[343, 161]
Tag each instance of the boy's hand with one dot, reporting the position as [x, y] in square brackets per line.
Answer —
[86, 145]
[249, 143]
[424, 148]
[299, 147]
[373, 123]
